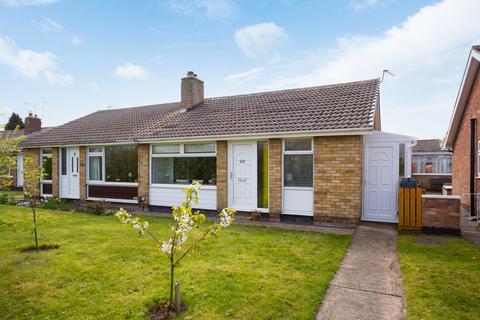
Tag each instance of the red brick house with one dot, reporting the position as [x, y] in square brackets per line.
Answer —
[314, 153]
[463, 133]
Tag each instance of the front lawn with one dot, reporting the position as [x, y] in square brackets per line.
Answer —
[104, 270]
[441, 277]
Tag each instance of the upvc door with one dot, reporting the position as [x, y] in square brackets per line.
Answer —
[69, 173]
[380, 183]
[243, 176]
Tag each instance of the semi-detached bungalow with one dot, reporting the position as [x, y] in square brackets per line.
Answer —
[316, 152]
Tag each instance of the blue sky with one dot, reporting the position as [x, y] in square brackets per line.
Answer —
[69, 58]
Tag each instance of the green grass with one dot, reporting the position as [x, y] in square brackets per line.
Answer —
[104, 270]
[442, 279]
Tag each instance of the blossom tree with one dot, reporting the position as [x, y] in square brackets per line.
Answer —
[185, 221]
[8, 156]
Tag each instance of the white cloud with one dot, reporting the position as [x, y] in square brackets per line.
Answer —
[423, 41]
[47, 24]
[77, 41]
[260, 39]
[131, 71]
[5, 111]
[219, 9]
[32, 64]
[21, 3]
[239, 78]
[428, 46]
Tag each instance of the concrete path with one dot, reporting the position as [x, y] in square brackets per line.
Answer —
[368, 284]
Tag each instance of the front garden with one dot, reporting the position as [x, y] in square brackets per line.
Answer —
[103, 270]
[441, 277]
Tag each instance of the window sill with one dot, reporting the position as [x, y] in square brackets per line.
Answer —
[298, 188]
[180, 186]
[431, 174]
[45, 181]
[117, 184]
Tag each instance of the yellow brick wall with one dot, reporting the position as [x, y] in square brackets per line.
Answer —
[55, 172]
[222, 174]
[143, 172]
[83, 173]
[34, 155]
[337, 179]
[275, 178]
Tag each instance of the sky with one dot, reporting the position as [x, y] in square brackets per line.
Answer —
[64, 59]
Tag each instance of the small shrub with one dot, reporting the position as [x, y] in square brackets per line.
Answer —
[98, 208]
[4, 199]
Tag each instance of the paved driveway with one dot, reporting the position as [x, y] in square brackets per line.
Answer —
[368, 284]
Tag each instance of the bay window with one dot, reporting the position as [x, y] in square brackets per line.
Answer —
[183, 163]
[298, 163]
[113, 164]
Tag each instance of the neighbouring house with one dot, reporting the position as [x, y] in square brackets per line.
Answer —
[431, 165]
[315, 153]
[463, 133]
[33, 125]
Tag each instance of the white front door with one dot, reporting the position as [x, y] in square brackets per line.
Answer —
[380, 183]
[19, 170]
[243, 176]
[69, 173]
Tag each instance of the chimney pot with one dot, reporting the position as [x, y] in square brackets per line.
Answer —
[192, 90]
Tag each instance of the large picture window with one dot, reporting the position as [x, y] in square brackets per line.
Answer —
[46, 162]
[113, 164]
[184, 164]
[298, 163]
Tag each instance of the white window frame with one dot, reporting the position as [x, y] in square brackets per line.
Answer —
[296, 152]
[180, 154]
[42, 155]
[102, 181]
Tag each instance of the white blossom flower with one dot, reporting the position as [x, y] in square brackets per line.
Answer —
[167, 246]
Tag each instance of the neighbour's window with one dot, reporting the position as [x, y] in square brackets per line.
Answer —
[113, 163]
[46, 162]
[184, 164]
[298, 163]
[432, 163]
[478, 158]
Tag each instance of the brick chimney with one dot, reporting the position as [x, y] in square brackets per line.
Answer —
[32, 123]
[192, 90]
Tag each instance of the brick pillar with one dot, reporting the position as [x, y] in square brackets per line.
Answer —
[143, 172]
[337, 175]
[34, 155]
[275, 178]
[83, 173]
[55, 171]
[222, 175]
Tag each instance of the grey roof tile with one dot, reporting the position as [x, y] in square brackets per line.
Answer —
[339, 106]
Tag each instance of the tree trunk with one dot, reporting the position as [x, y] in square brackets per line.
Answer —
[35, 227]
[172, 271]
